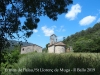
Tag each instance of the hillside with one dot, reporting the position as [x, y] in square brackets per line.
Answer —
[14, 42]
[86, 40]
[17, 42]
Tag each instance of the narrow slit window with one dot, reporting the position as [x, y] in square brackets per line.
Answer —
[23, 49]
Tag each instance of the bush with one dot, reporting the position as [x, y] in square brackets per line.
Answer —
[58, 64]
[8, 58]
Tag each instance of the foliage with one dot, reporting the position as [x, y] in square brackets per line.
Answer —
[12, 10]
[45, 50]
[10, 55]
[86, 40]
[8, 58]
[58, 61]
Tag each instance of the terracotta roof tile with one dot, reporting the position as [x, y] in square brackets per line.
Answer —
[59, 43]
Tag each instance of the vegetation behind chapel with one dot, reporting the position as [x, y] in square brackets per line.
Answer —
[86, 40]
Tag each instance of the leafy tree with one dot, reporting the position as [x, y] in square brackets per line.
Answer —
[86, 40]
[12, 10]
[10, 56]
[45, 50]
[8, 59]
[97, 45]
[47, 45]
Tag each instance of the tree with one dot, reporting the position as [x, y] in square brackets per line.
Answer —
[47, 45]
[31, 10]
[10, 56]
[86, 40]
[45, 50]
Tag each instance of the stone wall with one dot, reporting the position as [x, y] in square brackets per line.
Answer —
[32, 48]
[56, 49]
[37, 48]
[59, 49]
[69, 49]
[51, 49]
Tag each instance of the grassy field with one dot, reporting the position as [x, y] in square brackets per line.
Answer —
[58, 64]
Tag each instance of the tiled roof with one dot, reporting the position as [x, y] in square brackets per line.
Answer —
[58, 44]
[32, 45]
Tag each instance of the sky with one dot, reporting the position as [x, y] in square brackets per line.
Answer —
[81, 15]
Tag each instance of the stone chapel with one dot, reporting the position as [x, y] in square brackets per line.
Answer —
[54, 46]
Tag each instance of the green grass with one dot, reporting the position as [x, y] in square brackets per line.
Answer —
[62, 63]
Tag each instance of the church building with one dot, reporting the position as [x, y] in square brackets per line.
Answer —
[31, 48]
[54, 46]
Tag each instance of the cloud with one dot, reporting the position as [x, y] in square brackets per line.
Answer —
[47, 31]
[35, 30]
[87, 20]
[61, 29]
[75, 10]
[98, 20]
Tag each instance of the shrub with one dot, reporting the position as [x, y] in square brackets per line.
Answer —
[61, 64]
